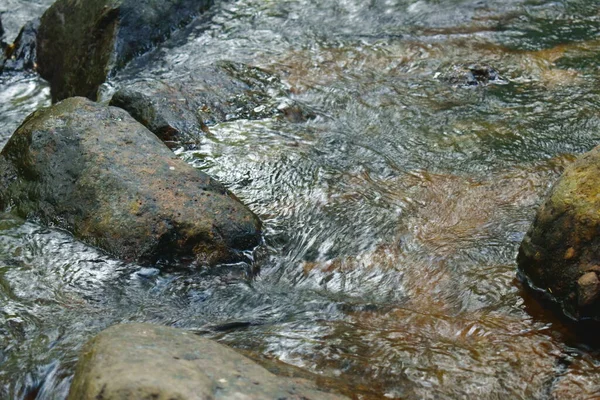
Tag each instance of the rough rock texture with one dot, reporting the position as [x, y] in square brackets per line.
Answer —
[22, 54]
[81, 42]
[143, 361]
[95, 171]
[164, 110]
[560, 254]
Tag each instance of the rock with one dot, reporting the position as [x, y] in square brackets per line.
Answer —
[143, 361]
[214, 93]
[81, 43]
[164, 110]
[471, 75]
[2, 47]
[560, 254]
[22, 54]
[96, 172]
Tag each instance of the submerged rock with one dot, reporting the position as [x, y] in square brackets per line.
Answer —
[143, 361]
[178, 110]
[96, 172]
[164, 110]
[560, 255]
[21, 55]
[471, 75]
[81, 43]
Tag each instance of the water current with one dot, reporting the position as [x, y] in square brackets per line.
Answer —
[392, 219]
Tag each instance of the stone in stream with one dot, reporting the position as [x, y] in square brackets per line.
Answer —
[81, 43]
[177, 110]
[96, 172]
[560, 254]
[164, 110]
[144, 361]
[21, 55]
[471, 75]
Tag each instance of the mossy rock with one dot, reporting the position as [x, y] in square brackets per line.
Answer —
[96, 172]
[560, 254]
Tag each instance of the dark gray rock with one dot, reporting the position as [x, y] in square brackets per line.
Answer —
[96, 172]
[178, 111]
[164, 110]
[560, 254]
[22, 54]
[81, 43]
[143, 361]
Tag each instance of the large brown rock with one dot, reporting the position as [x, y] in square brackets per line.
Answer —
[95, 171]
[143, 361]
[560, 254]
[80, 43]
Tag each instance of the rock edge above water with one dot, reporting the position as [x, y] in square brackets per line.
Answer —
[144, 361]
[96, 172]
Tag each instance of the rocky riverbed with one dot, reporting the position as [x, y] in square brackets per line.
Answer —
[396, 154]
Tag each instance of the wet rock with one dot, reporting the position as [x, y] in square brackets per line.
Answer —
[144, 361]
[560, 254]
[96, 172]
[164, 110]
[178, 111]
[21, 55]
[471, 75]
[2, 46]
[81, 43]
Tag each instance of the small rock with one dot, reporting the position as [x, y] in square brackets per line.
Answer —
[143, 361]
[164, 110]
[588, 289]
[471, 75]
[22, 54]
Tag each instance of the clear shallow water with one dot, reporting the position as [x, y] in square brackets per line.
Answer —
[392, 220]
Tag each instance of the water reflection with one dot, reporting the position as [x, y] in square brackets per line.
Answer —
[392, 219]
[20, 95]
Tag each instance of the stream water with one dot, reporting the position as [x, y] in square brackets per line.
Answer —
[392, 219]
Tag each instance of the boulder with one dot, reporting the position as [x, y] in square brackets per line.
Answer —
[143, 361]
[560, 254]
[81, 43]
[164, 110]
[21, 55]
[96, 172]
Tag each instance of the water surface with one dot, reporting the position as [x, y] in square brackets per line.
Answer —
[392, 219]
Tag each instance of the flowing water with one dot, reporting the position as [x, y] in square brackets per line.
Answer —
[392, 219]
